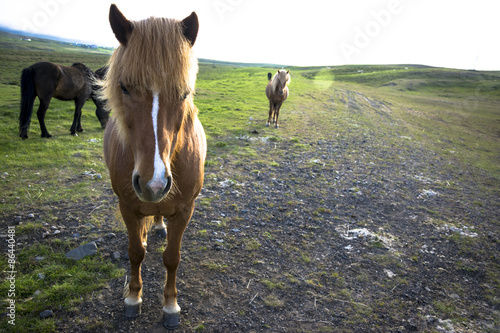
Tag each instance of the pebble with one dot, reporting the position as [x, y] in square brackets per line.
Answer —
[116, 255]
[17, 219]
[38, 259]
[110, 236]
[31, 216]
[46, 314]
[41, 276]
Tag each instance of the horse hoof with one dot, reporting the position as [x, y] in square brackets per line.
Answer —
[162, 233]
[171, 320]
[132, 311]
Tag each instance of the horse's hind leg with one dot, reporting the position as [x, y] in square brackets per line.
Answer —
[171, 258]
[42, 109]
[160, 228]
[77, 119]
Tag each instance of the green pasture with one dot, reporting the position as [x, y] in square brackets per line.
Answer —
[453, 113]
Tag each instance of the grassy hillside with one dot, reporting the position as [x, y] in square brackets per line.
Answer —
[357, 145]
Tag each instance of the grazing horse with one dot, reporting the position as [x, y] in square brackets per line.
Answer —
[154, 144]
[101, 110]
[277, 92]
[46, 80]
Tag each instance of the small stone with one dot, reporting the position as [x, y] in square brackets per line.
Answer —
[37, 293]
[17, 219]
[41, 276]
[38, 259]
[31, 215]
[57, 232]
[110, 236]
[76, 235]
[116, 255]
[46, 314]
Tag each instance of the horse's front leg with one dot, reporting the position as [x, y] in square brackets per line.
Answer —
[171, 259]
[270, 114]
[136, 253]
[276, 115]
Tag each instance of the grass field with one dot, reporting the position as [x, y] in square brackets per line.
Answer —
[432, 122]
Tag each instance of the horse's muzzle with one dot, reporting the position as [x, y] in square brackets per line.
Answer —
[153, 190]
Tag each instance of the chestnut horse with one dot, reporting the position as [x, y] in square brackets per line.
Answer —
[277, 92]
[154, 144]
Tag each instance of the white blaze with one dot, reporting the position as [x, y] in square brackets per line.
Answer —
[159, 166]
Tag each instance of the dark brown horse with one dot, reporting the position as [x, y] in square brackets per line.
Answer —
[154, 144]
[277, 93]
[101, 110]
[46, 80]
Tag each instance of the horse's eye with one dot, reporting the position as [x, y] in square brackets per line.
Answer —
[124, 89]
[184, 96]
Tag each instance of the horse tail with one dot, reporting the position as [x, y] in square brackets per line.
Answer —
[28, 95]
[269, 76]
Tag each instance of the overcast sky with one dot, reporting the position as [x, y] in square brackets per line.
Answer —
[446, 33]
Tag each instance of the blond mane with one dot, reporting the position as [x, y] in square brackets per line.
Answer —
[157, 59]
[283, 76]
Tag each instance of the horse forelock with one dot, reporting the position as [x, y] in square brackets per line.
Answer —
[283, 77]
[157, 59]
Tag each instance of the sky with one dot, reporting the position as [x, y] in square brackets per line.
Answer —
[443, 33]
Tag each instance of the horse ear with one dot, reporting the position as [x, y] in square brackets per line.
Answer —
[190, 27]
[120, 25]
[288, 72]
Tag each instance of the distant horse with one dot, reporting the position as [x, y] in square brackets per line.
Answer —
[154, 144]
[46, 80]
[277, 92]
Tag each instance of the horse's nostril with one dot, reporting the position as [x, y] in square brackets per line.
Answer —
[169, 184]
[135, 183]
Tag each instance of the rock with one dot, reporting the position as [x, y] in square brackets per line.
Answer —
[41, 276]
[31, 216]
[116, 255]
[46, 314]
[82, 251]
[38, 259]
[109, 236]
[17, 219]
